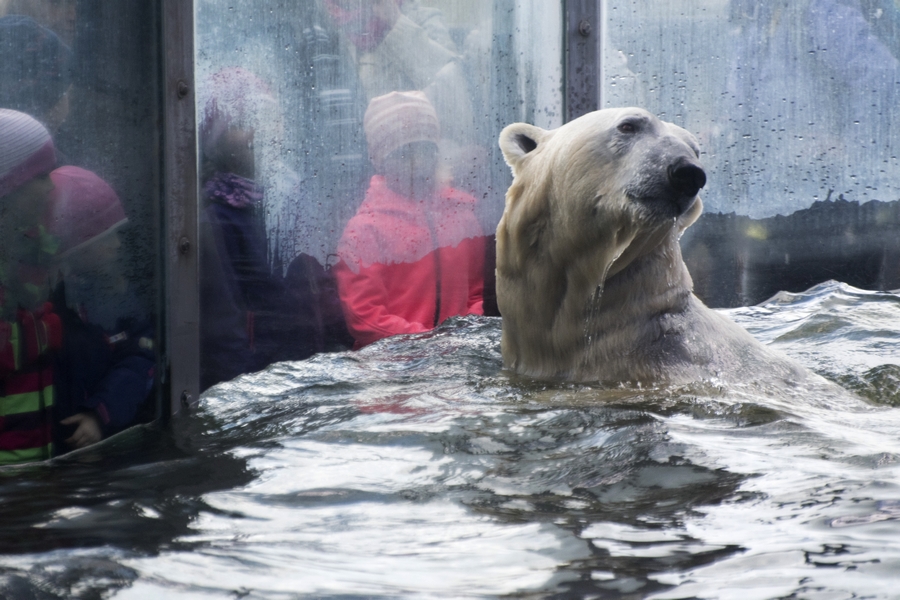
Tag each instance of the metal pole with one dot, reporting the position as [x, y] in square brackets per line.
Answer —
[582, 61]
[182, 346]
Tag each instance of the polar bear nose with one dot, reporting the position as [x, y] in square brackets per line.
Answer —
[686, 176]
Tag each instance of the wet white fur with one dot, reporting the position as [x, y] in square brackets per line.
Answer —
[590, 283]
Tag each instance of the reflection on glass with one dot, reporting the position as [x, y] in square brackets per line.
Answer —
[403, 46]
[56, 15]
[241, 298]
[78, 187]
[414, 253]
[30, 333]
[795, 105]
[105, 368]
[364, 135]
[35, 67]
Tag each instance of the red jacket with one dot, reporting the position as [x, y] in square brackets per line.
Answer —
[26, 385]
[400, 258]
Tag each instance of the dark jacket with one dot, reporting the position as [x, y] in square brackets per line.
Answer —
[244, 315]
[108, 374]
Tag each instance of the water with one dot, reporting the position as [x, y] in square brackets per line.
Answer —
[419, 468]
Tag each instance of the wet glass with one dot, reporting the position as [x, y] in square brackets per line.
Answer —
[795, 106]
[79, 191]
[350, 180]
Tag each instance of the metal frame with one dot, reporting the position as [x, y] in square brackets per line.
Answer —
[582, 57]
[181, 359]
[181, 324]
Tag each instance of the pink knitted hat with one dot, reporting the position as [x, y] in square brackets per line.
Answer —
[81, 209]
[26, 150]
[397, 119]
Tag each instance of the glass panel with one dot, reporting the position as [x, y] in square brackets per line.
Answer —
[795, 106]
[350, 175]
[79, 188]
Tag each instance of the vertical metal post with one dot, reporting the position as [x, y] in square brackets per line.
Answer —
[582, 57]
[182, 303]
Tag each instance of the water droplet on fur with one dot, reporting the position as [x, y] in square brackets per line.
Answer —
[593, 310]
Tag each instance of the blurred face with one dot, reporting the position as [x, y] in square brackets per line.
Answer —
[234, 153]
[94, 268]
[344, 11]
[57, 15]
[22, 211]
[353, 6]
[101, 252]
[353, 16]
[57, 115]
[24, 208]
[411, 169]
[96, 258]
[364, 21]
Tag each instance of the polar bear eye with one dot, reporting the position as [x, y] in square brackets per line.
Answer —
[627, 127]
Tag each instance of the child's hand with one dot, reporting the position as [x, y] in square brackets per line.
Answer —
[88, 431]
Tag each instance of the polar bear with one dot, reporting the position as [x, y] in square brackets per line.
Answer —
[590, 280]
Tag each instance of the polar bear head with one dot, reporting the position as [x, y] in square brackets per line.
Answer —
[607, 195]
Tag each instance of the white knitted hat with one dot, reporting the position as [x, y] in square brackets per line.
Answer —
[26, 150]
[397, 119]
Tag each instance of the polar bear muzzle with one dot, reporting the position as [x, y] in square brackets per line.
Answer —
[686, 176]
[668, 182]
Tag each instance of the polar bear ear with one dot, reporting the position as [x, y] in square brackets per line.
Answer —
[518, 140]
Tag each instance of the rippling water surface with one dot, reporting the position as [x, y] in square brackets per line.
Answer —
[418, 467]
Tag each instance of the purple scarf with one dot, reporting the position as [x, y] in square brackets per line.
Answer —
[233, 190]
